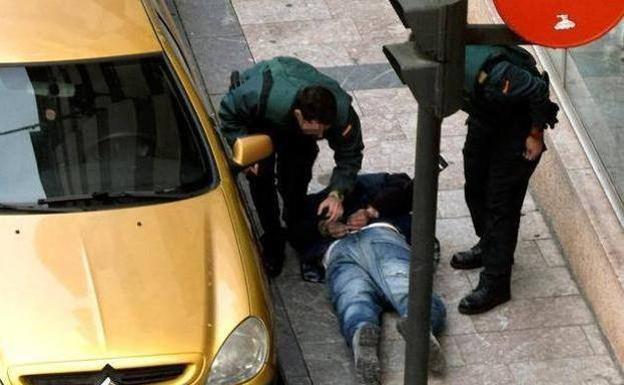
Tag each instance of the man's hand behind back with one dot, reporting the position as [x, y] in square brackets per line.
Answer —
[334, 229]
[358, 219]
[362, 217]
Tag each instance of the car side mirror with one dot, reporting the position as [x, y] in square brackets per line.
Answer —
[248, 150]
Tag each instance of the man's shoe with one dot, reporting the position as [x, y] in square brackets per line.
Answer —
[312, 271]
[469, 259]
[365, 353]
[488, 294]
[437, 361]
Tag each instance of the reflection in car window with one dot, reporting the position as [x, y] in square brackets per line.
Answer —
[75, 129]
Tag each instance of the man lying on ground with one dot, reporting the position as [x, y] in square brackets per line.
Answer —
[376, 197]
[368, 272]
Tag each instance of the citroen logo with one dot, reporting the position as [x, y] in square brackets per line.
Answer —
[108, 381]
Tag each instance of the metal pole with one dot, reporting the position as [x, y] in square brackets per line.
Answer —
[423, 231]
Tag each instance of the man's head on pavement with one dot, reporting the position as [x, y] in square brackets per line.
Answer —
[315, 110]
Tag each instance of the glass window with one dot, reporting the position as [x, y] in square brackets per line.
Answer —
[593, 76]
[97, 129]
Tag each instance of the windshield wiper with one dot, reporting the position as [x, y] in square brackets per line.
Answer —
[65, 198]
[147, 194]
[108, 196]
[33, 208]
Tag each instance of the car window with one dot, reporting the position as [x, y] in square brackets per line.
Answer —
[97, 128]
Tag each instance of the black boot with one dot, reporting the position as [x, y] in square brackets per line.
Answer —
[490, 292]
[469, 259]
[273, 245]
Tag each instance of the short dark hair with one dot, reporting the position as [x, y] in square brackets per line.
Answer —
[317, 103]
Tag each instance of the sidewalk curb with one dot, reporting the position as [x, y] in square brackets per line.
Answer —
[292, 367]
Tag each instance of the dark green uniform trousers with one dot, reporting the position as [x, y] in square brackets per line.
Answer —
[497, 177]
[291, 165]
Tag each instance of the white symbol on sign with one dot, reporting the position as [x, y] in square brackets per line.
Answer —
[564, 23]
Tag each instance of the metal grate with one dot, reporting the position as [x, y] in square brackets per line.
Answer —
[132, 376]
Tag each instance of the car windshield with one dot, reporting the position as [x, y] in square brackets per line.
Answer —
[96, 129]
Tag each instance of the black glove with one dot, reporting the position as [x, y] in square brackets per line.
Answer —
[551, 114]
[551, 108]
[546, 78]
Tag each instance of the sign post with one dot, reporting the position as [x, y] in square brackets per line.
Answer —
[432, 66]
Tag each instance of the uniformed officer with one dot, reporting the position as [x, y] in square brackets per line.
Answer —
[296, 105]
[508, 104]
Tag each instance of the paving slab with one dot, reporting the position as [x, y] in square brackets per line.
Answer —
[524, 345]
[216, 69]
[576, 371]
[535, 314]
[551, 252]
[274, 11]
[208, 18]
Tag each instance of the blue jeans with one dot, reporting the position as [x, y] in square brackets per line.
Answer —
[368, 271]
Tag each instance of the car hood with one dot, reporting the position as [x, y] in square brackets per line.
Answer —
[141, 281]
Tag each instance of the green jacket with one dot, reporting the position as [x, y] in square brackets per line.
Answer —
[513, 88]
[264, 100]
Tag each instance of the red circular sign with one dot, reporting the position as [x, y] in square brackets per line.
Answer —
[560, 23]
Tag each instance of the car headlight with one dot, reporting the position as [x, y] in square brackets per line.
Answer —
[242, 355]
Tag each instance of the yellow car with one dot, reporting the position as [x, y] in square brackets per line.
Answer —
[126, 254]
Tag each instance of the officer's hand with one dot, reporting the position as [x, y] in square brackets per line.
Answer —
[533, 147]
[335, 229]
[334, 208]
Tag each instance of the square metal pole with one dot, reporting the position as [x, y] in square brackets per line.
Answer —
[423, 230]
